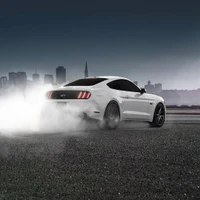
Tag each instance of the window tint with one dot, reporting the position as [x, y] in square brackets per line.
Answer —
[86, 82]
[123, 85]
[128, 86]
[114, 85]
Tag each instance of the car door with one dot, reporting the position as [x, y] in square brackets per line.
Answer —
[136, 104]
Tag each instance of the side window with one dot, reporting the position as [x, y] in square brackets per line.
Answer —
[114, 85]
[128, 86]
[123, 85]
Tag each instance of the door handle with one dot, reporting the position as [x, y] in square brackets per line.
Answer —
[125, 97]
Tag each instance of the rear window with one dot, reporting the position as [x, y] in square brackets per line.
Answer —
[86, 82]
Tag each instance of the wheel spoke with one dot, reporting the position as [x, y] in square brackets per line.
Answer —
[160, 115]
[161, 118]
[112, 116]
[162, 112]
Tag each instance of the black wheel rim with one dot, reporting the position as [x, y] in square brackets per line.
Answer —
[160, 115]
[112, 115]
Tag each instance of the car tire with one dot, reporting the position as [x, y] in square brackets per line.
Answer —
[111, 117]
[159, 116]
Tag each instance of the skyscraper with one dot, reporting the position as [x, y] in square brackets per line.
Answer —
[149, 87]
[158, 87]
[3, 82]
[36, 77]
[86, 70]
[48, 79]
[21, 80]
[60, 75]
[12, 76]
[135, 82]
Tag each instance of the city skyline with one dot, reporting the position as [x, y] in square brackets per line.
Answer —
[157, 41]
[52, 78]
[75, 73]
[17, 81]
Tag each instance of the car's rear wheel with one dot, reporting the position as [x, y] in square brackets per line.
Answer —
[111, 117]
[159, 116]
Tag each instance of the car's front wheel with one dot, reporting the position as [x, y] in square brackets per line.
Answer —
[111, 117]
[159, 116]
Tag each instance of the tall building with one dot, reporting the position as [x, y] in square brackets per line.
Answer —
[135, 82]
[158, 87]
[48, 79]
[86, 70]
[60, 75]
[150, 87]
[36, 77]
[21, 80]
[3, 82]
[12, 76]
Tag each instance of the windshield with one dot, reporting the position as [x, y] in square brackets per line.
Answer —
[86, 82]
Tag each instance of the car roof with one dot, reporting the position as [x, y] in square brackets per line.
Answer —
[110, 77]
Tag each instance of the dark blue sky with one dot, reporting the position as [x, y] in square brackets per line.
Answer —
[156, 40]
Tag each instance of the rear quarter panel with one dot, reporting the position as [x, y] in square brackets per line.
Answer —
[105, 95]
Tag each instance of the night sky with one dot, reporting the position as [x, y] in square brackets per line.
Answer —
[141, 40]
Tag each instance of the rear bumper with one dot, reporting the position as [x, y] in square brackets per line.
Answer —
[88, 118]
[87, 109]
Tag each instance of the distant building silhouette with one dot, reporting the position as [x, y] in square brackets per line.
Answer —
[154, 89]
[181, 97]
[3, 82]
[135, 82]
[12, 76]
[60, 75]
[21, 80]
[48, 79]
[158, 88]
[86, 70]
[36, 77]
[149, 87]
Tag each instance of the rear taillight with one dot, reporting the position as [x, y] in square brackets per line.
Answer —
[68, 95]
[83, 95]
[49, 94]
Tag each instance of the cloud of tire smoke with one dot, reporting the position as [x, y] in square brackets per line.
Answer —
[24, 114]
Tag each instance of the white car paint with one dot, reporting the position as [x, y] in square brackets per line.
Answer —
[132, 105]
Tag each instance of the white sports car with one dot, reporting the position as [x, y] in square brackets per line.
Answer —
[111, 99]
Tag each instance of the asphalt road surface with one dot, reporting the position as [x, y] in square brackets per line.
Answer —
[132, 162]
[189, 118]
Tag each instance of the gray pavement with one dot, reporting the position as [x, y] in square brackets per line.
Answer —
[183, 118]
[132, 162]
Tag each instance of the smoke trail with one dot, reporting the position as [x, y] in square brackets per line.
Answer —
[24, 113]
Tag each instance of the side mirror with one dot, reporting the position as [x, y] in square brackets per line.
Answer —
[142, 90]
